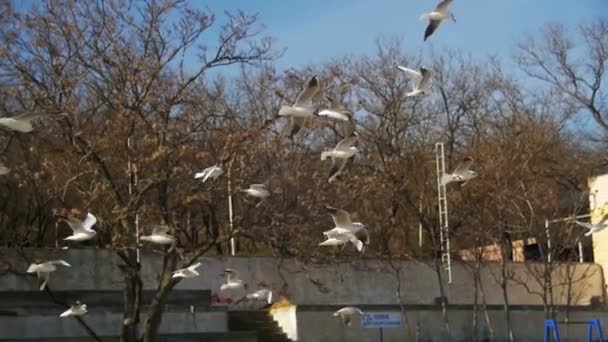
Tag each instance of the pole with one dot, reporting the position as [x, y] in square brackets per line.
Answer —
[230, 222]
[381, 335]
[132, 183]
[548, 240]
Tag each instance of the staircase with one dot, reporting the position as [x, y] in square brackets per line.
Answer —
[260, 321]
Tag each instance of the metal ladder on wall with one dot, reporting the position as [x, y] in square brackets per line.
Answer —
[444, 237]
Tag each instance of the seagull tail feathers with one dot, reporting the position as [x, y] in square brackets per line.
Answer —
[65, 314]
[325, 155]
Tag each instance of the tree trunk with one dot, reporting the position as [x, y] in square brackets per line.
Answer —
[155, 311]
[505, 295]
[132, 297]
[444, 306]
[485, 308]
[475, 300]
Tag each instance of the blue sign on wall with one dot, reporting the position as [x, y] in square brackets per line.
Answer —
[379, 320]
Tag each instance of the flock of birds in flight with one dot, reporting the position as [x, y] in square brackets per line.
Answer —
[345, 230]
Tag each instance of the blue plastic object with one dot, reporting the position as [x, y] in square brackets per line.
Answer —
[594, 324]
[551, 324]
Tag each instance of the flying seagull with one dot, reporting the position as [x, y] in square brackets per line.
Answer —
[211, 172]
[419, 80]
[43, 270]
[75, 309]
[435, 17]
[462, 173]
[594, 227]
[347, 313]
[188, 272]
[263, 294]
[340, 154]
[159, 236]
[4, 170]
[303, 108]
[232, 280]
[335, 110]
[82, 230]
[257, 191]
[21, 123]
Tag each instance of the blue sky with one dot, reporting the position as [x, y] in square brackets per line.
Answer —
[313, 31]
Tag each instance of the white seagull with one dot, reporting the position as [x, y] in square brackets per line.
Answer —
[82, 230]
[211, 172]
[188, 272]
[461, 173]
[21, 123]
[339, 155]
[335, 110]
[232, 281]
[43, 270]
[594, 227]
[159, 236]
[419, 80]
[4, 170]
[263, 294]
[303, 108]
[75, 309]
[435, 17]
[257, 191]
[347, 314]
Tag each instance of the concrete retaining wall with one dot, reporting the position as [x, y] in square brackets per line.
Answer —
[321, 326]
[108, 324]
[352, 281]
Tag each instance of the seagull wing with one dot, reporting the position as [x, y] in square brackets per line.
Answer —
[89, 221]
[27, 116]
[75, 225]
[346, 143]
[442, 6]
[337, 165]
[340, 217]
[433, 24]
[59, 262]
[194, 266]
[413, 75]
[334, 104]
[589, 226]
[426, 78]
[296, 125]
[160, 230]
[305, 97]
[464, 166]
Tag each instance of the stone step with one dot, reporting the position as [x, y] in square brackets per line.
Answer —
[260, 321]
